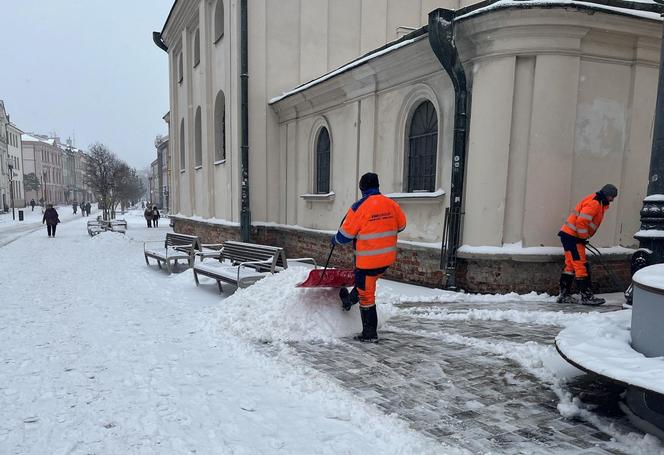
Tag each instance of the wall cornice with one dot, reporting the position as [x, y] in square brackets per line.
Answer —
[563, 31]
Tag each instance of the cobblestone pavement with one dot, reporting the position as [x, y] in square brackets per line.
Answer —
[463, 395]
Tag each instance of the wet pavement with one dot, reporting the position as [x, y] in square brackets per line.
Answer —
[451, 380]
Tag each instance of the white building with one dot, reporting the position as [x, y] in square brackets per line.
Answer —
[561, 102]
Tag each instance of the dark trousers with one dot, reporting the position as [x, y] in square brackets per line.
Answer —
[155, 222]
[149, 223]
[51, 229]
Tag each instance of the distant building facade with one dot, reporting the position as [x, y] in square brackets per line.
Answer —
[44, 158]
[15, 152]
[561, 103]
[4, 159]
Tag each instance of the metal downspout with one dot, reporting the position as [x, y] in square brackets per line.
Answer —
[441, 39]
[159, 41]
[245, 213]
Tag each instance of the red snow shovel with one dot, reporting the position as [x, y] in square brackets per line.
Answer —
[334, 278]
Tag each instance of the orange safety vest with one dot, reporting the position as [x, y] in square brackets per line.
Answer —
[373, 223]
[586, 217]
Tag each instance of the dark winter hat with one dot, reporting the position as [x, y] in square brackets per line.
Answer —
[609, 190]
[369, 180]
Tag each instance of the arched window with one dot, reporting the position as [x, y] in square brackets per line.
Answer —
[219, 21]
[198, 147]
[197, 47]
[220, 127]
[182, 152]
[323, 162]
[180, 68]
[422, 148]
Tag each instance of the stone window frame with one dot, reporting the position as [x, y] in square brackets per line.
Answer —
[220, 128]
[218, 21]
[318, 125]
[196, 44]
[418, 94]
[198, 139]
[183, 153]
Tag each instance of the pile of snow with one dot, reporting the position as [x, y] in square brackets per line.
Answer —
[273, 309]
[603, 346]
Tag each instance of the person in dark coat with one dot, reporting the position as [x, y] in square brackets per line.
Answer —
[51, 219]
[147, 213]
[87, 208]
[155, 216]
[32, 204]
[74, 206]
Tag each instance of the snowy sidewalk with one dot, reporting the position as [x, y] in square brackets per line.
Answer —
[101, 354]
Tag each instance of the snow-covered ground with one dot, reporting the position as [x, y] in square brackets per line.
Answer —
[101, 354]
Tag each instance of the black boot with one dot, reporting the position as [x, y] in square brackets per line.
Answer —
[565, 295]
[348, 299]
[369, 324]
[587, 297]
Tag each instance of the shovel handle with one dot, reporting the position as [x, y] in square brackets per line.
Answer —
[327, 263]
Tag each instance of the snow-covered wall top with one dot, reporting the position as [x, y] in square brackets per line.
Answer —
[651, 276]
[503, 4]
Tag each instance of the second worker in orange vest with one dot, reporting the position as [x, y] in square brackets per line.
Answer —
[580, 225]
[372, 224]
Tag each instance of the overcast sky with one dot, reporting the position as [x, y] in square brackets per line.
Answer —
[86, 68]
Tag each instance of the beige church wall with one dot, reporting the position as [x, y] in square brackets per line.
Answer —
[602, 117]
[342, 126]
[489, 150]
[637, 153]
[550, 160]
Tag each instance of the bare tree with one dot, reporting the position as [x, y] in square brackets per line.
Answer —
[112, 180]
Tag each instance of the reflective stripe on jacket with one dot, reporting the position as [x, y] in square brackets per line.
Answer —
[373, 223]
[586, 217]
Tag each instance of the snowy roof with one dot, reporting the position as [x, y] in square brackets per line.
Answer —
[29, 138]
[646, 9]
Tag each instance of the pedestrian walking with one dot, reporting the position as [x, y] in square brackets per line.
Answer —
[87, 208]
[579, 227]
[147, 213]
[372, 223]
[155, 216]
[32, 204]
[51, 219]
[74, 206]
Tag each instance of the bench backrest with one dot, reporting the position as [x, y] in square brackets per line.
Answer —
[182, 242]
[237, 252]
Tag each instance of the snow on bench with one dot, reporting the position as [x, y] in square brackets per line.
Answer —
[176, 247]
[98, 226]
[243, 264]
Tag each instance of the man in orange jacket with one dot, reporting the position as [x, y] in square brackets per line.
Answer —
[372, 224]
[580, 225]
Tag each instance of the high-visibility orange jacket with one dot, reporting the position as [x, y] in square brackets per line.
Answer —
[586, 217]
[373, 223]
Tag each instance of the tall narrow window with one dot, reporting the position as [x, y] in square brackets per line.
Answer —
[220, 127]
[198, 147]
[422, 148]
[182, 152]
[219, 21]
[323, 162]
[180, 68]
[197, 47]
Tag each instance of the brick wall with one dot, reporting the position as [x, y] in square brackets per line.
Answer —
[419, 265]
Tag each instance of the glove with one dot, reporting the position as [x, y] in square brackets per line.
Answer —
[333, 240]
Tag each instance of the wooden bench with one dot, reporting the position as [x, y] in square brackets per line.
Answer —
[243, 264]
[176, 247]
